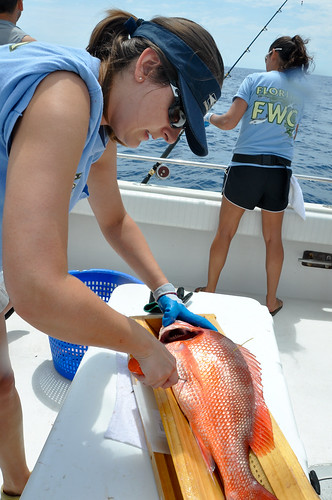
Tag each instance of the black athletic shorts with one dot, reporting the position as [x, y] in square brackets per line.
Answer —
[249, 187]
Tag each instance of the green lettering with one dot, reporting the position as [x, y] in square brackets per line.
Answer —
[258, 109]
[14, 46]
[276, 114]
[290, 123]
[273, 91]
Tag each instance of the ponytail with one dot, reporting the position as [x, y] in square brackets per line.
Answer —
[293, 53]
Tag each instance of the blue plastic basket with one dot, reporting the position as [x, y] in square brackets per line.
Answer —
[66, 356]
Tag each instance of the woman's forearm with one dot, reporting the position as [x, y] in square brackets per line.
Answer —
[221, 121]
[129, 242]
[65, 308]
[231, 118]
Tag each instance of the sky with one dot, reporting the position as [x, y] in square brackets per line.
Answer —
[233, 24]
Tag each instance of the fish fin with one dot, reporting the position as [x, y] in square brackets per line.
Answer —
[207, 455]
[262, 441]
[194, 368]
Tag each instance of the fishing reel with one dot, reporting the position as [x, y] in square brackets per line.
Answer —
[162, 171]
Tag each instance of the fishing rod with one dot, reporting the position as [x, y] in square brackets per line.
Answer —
[253, 41]
[164, 171]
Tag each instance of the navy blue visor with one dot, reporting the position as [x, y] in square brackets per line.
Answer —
[198, 88]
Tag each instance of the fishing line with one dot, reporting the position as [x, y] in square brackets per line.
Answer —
[253, 41]
[241, 345]
[163, 170]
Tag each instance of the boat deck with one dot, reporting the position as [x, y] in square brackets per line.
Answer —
[304, 337]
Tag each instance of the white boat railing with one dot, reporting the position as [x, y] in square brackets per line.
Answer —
[199, 164]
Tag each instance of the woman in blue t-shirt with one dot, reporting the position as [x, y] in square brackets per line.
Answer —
[270, 105]
[62, 112]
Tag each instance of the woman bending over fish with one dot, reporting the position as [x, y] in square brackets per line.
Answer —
[62, 112]
[270, 105]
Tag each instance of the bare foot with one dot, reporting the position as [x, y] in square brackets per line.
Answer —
[200, 289]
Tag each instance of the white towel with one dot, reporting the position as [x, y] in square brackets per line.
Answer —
[125, 425]
[295, 197]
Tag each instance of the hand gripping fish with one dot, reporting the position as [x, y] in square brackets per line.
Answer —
[220, 392]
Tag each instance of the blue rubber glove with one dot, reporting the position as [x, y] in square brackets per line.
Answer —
[173, 309]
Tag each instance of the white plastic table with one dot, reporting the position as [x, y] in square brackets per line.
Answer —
[77, 462]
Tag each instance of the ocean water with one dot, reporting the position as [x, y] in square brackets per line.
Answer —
[312, 156]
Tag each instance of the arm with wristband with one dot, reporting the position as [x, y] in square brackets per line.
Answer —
[174, 309]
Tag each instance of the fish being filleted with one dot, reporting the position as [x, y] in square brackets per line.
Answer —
[220, 392]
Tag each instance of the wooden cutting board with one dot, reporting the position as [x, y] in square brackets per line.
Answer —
[184, 475]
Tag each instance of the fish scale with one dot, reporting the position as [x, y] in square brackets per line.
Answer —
[221, 395]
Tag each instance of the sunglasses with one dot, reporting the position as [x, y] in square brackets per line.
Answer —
[269, 53]
[176, 115]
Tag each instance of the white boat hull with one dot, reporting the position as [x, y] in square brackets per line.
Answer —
[180, 224]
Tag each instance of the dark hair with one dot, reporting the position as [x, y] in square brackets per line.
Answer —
[110, 42]
[7, 6]
[294, 52]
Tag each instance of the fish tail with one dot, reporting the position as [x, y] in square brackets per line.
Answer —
[255, 492]
[262, 441]
[260, 493]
